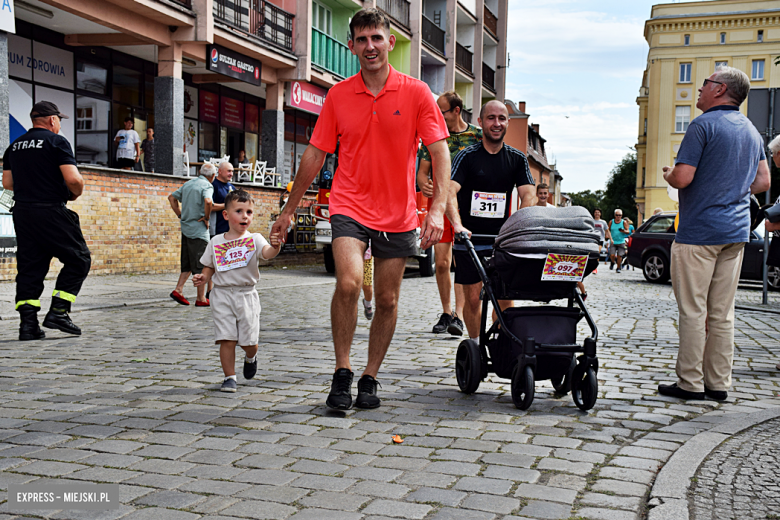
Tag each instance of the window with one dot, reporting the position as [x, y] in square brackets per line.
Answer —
[722, 38]
[643, 177]
[92, 135]
[685, 72]
[682, 117]
[721, 64]
[660, 225]
[91, 77]
[322, 18]
[687, 39]
[645, 126]
[85, 118]
[758, 70]
[127, 86]
[760, 36]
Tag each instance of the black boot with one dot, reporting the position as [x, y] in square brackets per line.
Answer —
[29, 329]
[57, 317]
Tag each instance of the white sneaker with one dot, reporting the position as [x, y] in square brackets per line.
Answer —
[368, 310]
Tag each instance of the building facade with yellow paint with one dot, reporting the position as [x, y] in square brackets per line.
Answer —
[687, 42]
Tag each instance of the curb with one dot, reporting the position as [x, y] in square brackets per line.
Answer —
[756, 309]
[670, 490]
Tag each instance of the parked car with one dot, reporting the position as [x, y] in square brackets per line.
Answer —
[649, 249]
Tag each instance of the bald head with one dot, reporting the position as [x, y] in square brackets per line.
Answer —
[493, 104]
[494, 119]
[225, 172]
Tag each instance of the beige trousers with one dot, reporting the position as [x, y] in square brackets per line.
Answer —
[705, 280]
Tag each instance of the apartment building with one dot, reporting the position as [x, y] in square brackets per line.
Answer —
[687, 42]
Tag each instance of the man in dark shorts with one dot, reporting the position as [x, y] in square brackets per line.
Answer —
[39, 167]
[484, 176]
[377, 118]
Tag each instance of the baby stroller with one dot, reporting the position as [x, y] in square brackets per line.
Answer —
[526, 344]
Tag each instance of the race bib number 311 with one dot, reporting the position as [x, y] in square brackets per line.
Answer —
[488, 205]
[564, 268]
[234, 254]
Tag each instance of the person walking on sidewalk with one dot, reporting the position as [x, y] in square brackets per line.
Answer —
[377, 117]
[39, 167]
[195, 197]
[721, 161]
[484, 176]
[368, 284]
[462, 135]
[603, 230]
[618, 231]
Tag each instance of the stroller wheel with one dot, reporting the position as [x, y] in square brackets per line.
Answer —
[584, 387]
[562, 384]
[468, 366]
[523, 387]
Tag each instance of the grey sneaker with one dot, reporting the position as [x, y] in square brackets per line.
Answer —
[229, 385]
[456, 327]
[368, 310]
[250, 369]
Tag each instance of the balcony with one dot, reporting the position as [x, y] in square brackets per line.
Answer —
[433, 35]
[258, 18]
[466, 115]
[464, 58]
[488, 77]
[491, 22]
[332, 55]
[183, 3]
[398, 10]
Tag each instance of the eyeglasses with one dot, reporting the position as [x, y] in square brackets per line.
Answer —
[448, 110]
[711, 81]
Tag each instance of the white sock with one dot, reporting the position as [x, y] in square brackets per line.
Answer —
[366, 303]
[247, 359]
[233, 377]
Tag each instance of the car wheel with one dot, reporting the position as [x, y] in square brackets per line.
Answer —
[655, 267]
[330, 263]
[773, 276]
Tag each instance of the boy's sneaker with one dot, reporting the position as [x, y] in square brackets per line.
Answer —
[340, 397]
[611, 266]
[368, 310]
[456, 327]
[229, 385]
[250, 369]
[617, 270]
[367, 397]
[444, 322]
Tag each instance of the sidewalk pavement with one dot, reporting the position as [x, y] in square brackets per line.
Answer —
[135, 401]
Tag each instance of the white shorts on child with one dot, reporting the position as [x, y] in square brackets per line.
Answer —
[236, 313]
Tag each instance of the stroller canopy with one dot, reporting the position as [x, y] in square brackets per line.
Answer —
[537, 229]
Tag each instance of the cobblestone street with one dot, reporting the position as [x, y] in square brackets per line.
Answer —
[135, 401]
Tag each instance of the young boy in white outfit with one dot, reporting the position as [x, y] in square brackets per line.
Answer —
[231, 261]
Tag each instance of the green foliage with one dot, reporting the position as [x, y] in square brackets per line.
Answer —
[621, 189]
[619, 193]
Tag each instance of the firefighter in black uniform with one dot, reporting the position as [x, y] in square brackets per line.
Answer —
[40, 169]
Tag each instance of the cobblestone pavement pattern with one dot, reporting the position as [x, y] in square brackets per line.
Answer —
[135, 401]
[739, 480]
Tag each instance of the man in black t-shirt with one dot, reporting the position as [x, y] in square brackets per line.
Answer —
[40, 169]
[484, 176]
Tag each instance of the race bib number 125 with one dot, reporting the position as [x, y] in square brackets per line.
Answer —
[488, 205]
[234, 254]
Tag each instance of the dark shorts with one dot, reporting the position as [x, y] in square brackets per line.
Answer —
[383, 244]
[125, 163]
[191, 251]
[465, 271]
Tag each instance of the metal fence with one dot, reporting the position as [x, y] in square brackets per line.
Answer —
[258, 18]
[396, 9]
[464, 58]
[432, 34]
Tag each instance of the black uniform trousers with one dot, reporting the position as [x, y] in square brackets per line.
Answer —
[43, 232]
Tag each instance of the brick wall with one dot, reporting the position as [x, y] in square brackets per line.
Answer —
[130, 227]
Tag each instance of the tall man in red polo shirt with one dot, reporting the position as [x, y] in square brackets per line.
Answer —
[377, 117]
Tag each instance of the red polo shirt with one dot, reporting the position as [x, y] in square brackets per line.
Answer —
[379, 136]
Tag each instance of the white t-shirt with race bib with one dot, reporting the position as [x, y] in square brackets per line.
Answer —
[235, 261]
[127, 140]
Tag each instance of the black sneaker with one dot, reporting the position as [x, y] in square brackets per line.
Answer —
[340, 397]
[675, 391]
[366, 397]
[611, 266]
[456, 327]
[250, 369]
[718, 395]
[229, 385]
[444, 322]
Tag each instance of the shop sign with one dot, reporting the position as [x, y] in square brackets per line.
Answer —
[307, 97]
[7, 22]
[232, 113]
[19, 57]
[52, 66]
[190, 102]
[209, 107]
[231, 63]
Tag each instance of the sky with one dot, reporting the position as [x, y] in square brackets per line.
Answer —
[578, 65]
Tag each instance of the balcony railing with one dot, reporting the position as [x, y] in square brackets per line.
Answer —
[332, 55]
[432, 34]
[183, 3]
[491, 22]
[258, 18]
[488, 77]
[466, 115]
[464, 58]
[396, 9]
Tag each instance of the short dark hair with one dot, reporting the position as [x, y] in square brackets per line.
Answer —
[542, 186]
[128, 118]
[238, 196]
[599, 210]
[454, 99]
[369, 17]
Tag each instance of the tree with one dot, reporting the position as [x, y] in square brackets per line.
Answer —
[588, 199]
[621, 189]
